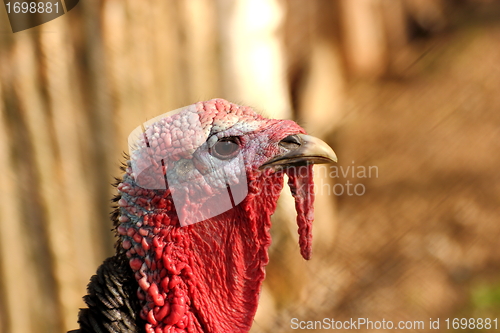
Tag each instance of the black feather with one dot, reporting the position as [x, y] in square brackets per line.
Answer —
[112, 300]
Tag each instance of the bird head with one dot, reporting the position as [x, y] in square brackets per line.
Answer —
[195, 205]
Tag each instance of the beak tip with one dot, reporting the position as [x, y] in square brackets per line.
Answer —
[320, 148]
[312, 151]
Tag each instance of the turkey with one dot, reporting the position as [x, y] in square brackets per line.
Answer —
[193, 217]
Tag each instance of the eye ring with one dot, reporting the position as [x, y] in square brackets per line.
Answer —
[226, 148]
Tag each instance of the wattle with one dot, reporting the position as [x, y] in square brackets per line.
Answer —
[200, 278]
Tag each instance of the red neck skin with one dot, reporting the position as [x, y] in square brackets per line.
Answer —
[204, 277]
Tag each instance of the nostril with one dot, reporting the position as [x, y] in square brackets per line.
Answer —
[291, 142]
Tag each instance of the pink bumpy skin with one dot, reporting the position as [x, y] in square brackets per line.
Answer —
[206, 277]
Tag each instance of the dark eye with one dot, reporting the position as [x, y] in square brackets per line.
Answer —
[226, 148]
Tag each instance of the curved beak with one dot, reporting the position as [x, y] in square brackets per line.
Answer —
[304, 149]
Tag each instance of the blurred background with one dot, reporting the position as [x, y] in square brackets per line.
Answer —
[405, 88]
